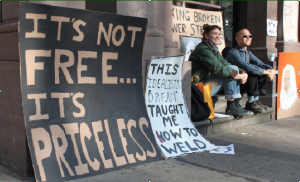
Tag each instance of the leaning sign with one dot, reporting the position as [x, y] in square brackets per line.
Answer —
[288, 85]
[189, 22]
[173, 130]
[290, 21]
[82, 91]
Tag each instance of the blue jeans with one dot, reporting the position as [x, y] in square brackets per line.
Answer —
[231, 87]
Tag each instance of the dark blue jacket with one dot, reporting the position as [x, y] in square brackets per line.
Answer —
[240, 57]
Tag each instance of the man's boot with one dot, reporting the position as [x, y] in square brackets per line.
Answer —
[263, 106]
[238, 105]
[233, 109]
[237, 102]
[254, 107]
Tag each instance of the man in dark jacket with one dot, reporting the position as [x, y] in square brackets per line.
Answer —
[258, 72]
[209, 66]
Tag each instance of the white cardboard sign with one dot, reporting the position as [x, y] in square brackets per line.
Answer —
[173, 130]
[223, 150]
[290, 21]
[272, 27]
[188, 44]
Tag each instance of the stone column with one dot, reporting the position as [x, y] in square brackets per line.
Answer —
[164, 24]
[154, 43]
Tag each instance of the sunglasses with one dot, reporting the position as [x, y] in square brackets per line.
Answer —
[249, 36]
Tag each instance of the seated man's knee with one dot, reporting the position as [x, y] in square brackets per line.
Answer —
[233, 67]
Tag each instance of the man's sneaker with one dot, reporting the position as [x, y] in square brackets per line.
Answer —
[263, 106]
[233, 109]
[253, 106]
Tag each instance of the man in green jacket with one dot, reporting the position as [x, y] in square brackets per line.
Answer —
[209, 66]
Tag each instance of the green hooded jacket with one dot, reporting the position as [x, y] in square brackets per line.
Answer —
[206, 63]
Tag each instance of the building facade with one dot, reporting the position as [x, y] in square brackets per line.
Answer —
[252, 15]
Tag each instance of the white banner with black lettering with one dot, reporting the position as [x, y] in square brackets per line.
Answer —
[173, 130]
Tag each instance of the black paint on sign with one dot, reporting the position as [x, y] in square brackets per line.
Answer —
[81, 74]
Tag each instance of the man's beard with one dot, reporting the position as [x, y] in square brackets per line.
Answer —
[287, 99]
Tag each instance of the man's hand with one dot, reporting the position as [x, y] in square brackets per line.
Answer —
[271, 75]
[242, 77]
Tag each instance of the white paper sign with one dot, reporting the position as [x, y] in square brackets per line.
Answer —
[290, 21]
[173, 130]
[219, 115]
[223, 150]
[272, 27]
[187, 45]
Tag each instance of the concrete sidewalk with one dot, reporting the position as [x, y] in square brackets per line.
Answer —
[263, 152]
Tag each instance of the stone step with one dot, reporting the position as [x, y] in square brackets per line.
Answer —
[220, 103]
[217, 125]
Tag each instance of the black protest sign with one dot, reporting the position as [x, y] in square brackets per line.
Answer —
[82, 91]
